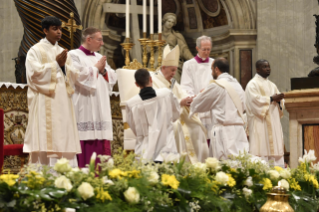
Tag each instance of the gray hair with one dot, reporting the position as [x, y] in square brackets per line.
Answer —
[203, 38]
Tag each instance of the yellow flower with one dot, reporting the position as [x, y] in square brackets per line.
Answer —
[9, 179]
[103, 195]
[267, 183]
[278, 168]
[34, 179]
[233, 170]
[311, 178]
[215, 187]
[231, 181]
[117, 173]
[294, 184]
[134, 173]
[170, 180]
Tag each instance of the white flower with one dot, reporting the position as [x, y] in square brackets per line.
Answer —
[247, 192]
[256, 159]
[106, 180]
[273, 174]
[63, 182]
[86, 191]
[110, 163]
[93, 158]
[285, 173]
[212, 163]
[85, 170]
[249, 182]
[131, 195]
[153, 178]
[284, 183]
[222, 178]
[315, 167]
[200, 166]
[62, 165]
[170, 157]
[308, 157]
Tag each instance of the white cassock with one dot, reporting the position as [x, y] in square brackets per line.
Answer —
[265, 132]
[92, 97]
[151, 120]
[190, 134]
[195, 77]
[51, 131]
[227, 135]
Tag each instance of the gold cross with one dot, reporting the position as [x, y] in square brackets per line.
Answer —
[71, 27]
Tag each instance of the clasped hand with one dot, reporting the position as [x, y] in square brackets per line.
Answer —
[186, 101]
[278, 97]
[100, 65]
[61, 58]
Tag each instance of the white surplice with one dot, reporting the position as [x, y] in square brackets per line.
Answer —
[227, 135]
[152, 120]
[190, 134]
[92, 97]
[52, 132]
[265, 132]
[195, 77]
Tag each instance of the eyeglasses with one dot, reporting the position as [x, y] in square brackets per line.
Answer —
[206, 50]
[99, 40]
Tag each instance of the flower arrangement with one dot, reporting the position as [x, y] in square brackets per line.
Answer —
[123, 184]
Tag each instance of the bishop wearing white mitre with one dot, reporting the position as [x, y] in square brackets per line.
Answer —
[225, 99]
[190, 134]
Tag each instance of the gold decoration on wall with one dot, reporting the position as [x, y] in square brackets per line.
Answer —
[118, 128]
[71, 27]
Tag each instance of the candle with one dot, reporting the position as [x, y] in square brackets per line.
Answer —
[144, 15]
[159, 6]
[127, 16]
[151, 16]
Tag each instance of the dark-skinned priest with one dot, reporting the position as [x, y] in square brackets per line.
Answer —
[224, 98]
[264, 104]
[52, 132]
[151, 114]
[190, 134]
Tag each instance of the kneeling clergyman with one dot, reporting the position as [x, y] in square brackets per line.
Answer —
[265, 105]
[225, 98]
[51, 133]
[151, 115]
[190, 134]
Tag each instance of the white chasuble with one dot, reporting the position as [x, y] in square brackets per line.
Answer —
[152, 120]
[190, 134]
[227, 135]
[195, 77]
[265, 132]
[51, 131]
[92, 97]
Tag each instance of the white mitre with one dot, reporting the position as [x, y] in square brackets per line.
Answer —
[170, 57]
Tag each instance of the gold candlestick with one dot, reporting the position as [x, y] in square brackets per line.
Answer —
[143, 42]
[151, 43]
[160, 43]
[127, 46]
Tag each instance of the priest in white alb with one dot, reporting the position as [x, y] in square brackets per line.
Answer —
[265, 105]
[51, 132]
[92, 96]
[225, 99]
[151, 114]
[197, 74]
[190, 134]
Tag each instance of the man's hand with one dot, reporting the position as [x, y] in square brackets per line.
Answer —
[101, 64]
[278, 97]
[61, 58]
[186, 101]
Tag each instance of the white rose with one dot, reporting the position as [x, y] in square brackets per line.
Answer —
[63, 182]
[105, 180]
[86, 190]
[85, 170]
[285, 173]
[274, 174]
[222, 178]
[62, 165]
[284, 183]
[200, 166]
[131, 195]
[212, 163]
[170, 157]
[247, 192]
[153, 178]
[249, 182]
